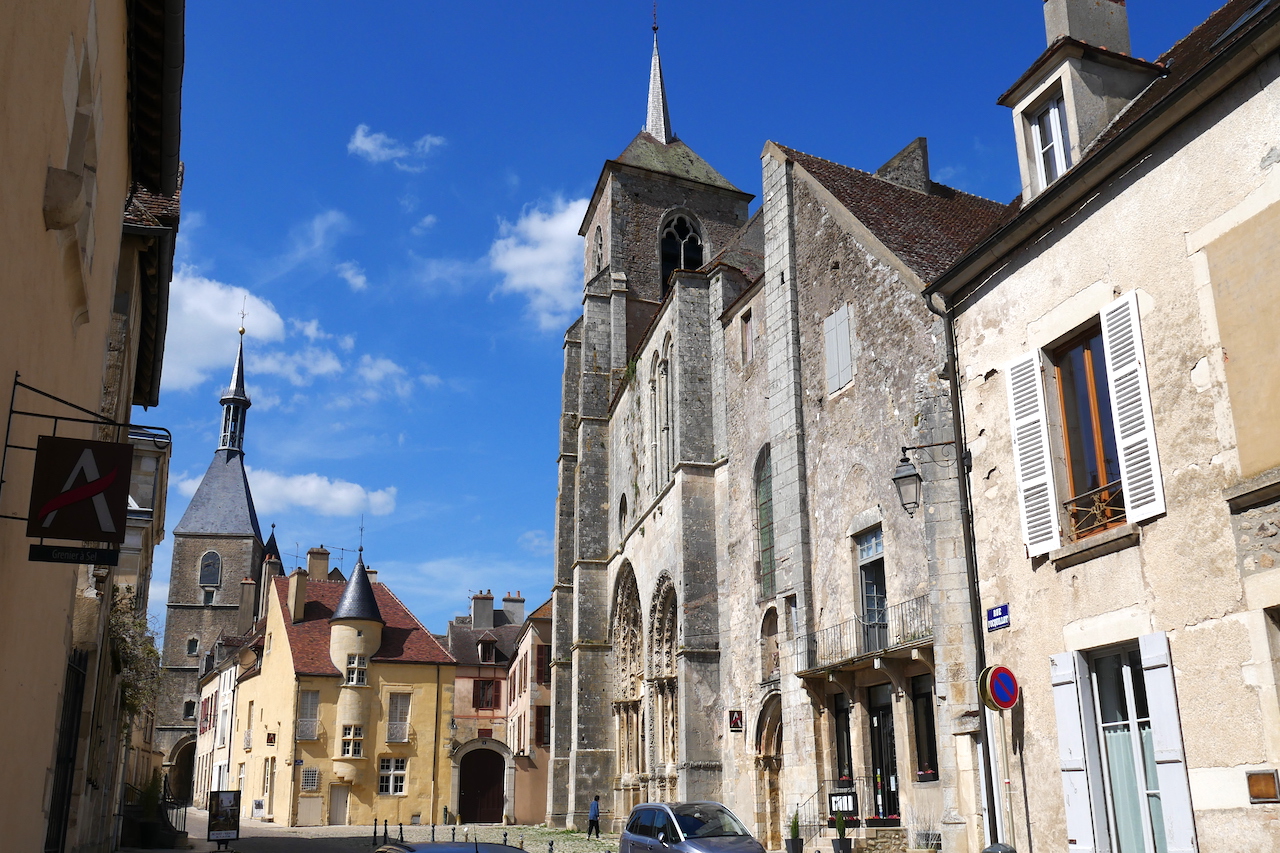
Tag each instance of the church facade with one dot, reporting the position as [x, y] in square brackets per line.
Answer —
[744, 611]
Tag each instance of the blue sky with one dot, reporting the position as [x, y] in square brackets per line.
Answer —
[393, 192]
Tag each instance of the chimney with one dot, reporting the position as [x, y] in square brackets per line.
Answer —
[297, 593]
[272, 567]
[318, 564]
[1100, 23]
[372, 573]
[244, 617]
[909, 167]
[482, 610]
[514, 608]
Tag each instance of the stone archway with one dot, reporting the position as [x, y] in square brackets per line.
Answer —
[769, 773]
[181, 765]
[483, 782]
[627, 664]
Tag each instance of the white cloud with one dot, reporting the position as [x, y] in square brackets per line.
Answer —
[424, 224]
[539, 257]
[274, 492]
[382, 374]
[536, 541]
[299, 367]
[310, 329]
[431, 380]
[445, 275]
[353, 274]
[203, 317]
[381, 148]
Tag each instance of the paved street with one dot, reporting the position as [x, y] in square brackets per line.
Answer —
[260, 837]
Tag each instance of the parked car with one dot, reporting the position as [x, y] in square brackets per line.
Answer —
[686, 828]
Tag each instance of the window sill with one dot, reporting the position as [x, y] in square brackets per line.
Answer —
[1253, 492]
[1098, 545]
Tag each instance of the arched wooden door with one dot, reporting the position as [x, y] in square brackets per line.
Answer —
[480, 794]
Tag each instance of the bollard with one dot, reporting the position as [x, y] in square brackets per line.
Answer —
[401, 825]
[504, 839]
[384, 831]
[522, 841]
[551, 847]
[433, 833]
[453, 833]
[375, 832]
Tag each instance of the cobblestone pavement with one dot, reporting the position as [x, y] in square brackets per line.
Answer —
[260, 837]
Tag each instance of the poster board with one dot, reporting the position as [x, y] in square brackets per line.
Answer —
[224, 815]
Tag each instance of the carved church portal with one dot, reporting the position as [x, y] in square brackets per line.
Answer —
[769, 774]
[480, 791]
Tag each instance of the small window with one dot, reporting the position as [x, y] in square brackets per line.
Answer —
[488, 651]
[681, 248]
[208, 597]
[837, 336]
[189, 710]
[925, 728]
[352, 741]
[391, 775]
[597, 252]
[356, 673]
[311, 779]
[622, 514]
[748, 337]
[193, 646]
[486, 693]
[210, 569]
[1051, 141]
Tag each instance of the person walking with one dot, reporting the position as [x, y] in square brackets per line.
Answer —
[593, 817]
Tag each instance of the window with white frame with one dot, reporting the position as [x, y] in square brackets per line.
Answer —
[391, 775]
[308, 714]
[1050, 141]
[837, 334]
[1090, 397]
[352, 741]
[398, 717]
[356, 669]
[1124, 774]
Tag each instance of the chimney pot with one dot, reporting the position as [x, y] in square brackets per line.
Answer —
[1098, 22]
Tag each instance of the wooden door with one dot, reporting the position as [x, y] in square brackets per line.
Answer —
[480, 787]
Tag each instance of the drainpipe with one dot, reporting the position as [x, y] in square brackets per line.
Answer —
[938, 306]
[435, 755]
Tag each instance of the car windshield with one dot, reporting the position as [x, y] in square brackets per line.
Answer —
[707, 820]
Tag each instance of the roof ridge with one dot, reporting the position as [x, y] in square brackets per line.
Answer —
[418, 622]
[886, 180]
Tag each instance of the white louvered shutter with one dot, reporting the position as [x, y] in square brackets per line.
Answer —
[835, 335]
[1078, 755]
[1033, 463]
[1166, 739]
[1131, 409]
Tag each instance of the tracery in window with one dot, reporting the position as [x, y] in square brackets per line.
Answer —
[681, 247]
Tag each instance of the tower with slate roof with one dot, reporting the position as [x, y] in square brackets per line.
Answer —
[216, 546]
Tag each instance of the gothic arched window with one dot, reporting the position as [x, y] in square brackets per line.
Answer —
[597, 252]
[681, 247]
[764, 525]
[211, 569]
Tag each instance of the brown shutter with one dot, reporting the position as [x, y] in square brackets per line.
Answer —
[497, 694]
[544, 664]
[477, 694]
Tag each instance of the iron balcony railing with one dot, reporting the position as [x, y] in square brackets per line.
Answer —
[397, 732]
[308, 729]
[1096, 510]
[900, 624]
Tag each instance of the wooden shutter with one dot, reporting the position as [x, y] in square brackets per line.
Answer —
[477, 693]
[835, 335]
[544, 664]
[1166, 737]
[1078, 757]
[497, 694]
[1131, 409]
[833, 358]
[1033, 462]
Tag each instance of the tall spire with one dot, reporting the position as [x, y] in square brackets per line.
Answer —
[235, 404]
[658, 124]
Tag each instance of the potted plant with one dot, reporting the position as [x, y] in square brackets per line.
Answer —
[841, 844]
[795, 844]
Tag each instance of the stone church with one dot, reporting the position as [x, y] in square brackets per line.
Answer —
[745, 608]
[215, 584]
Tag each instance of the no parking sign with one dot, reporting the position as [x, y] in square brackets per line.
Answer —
[999, 688]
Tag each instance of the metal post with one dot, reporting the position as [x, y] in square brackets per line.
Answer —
[551, 847]
[504, 839]
[375, 832]
[401, 825]
[433, 833]
[384, 831]
[453, 833]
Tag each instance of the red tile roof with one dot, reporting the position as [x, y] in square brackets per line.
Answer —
[404, 640]
[928, 231]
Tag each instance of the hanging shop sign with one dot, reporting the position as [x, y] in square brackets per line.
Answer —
[998, 687]
[80, 490]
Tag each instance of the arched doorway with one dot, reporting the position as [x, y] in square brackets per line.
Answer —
[627, 661]
[181, 772]
[769, 773]
[480, 788]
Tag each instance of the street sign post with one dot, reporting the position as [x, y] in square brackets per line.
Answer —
[999, 689]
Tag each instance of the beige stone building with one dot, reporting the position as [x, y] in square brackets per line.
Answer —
[342, 706]
[529, 716]
[89, 115]
[1116, 346]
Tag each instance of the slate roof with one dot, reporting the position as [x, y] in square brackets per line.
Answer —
[404, 640]
[674, 158]
[928, 231]
[358, 600]
[745, 249]
[222, 503]
[464, 640]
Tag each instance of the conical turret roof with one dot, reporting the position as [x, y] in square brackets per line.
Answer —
[358, 601]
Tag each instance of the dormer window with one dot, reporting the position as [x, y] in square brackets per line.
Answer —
[1051, 141]
[488, 651]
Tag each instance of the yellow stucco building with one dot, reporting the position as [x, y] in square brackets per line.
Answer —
[342, 708]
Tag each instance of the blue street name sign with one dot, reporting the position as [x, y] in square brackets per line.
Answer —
[997, 617]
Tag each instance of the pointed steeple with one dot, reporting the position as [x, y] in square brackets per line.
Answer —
[235, 404]
[358, 601]
[658, 124]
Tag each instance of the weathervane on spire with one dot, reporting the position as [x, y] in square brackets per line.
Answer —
[245, 302]
[655, 15]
